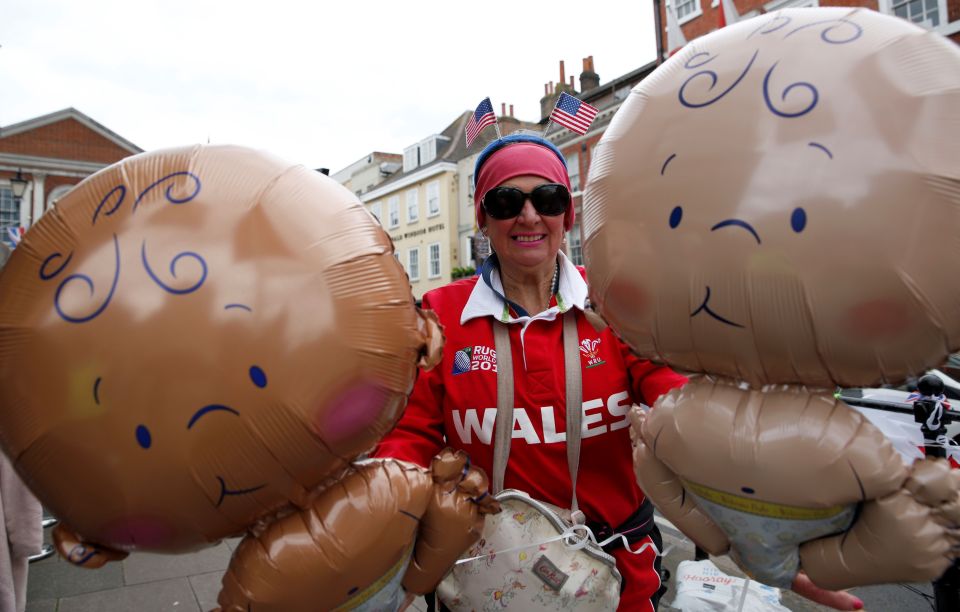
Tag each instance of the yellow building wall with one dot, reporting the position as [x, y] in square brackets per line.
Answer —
[418, 235]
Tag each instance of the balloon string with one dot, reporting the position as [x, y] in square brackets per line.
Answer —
[743, 596]
[574, 537]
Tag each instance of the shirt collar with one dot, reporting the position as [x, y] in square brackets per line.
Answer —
[487, 298]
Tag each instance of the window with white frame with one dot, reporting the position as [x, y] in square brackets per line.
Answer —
[433, 198]
[9, 214]
[573, 242]
[413, 206]
[413, 263]
[573, 170]
[927, 13]
[411, 158]
[470, 186]
[686, 9]
[393, 211]
[434, 260]
[377, 211]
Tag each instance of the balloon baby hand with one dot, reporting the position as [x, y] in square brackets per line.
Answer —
[83, 554]
[453, 470]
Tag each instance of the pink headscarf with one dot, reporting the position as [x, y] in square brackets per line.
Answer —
[519, 159]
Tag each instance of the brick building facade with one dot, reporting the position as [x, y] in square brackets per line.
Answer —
[52, 153]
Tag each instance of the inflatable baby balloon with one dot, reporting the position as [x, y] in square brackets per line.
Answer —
[777, 208]
[201, 342]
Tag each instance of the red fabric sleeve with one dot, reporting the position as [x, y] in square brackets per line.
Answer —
[648, 381]
[419, 434]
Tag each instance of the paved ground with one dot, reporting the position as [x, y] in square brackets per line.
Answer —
[190, 583]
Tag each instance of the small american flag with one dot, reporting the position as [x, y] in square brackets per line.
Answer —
[573, 114]
[482, 117]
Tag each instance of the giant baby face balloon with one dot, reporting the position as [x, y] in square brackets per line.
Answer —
[779, 202]
[194, 338]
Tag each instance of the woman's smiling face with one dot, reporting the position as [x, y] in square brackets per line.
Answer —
[529, 240]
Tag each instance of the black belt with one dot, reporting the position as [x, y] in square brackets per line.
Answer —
[637, 526]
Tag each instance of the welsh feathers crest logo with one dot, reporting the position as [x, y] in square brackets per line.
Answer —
[589, 349]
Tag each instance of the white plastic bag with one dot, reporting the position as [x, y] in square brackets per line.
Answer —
[701, 587]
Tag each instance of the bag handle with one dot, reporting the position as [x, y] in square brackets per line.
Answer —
[503, 432]
[574, 384]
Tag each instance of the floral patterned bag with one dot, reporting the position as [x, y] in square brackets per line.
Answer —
[532, 556]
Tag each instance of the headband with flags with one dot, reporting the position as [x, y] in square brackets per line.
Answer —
[481, 118]
[573, 114]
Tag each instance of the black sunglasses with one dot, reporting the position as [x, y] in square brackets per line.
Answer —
[550, 199]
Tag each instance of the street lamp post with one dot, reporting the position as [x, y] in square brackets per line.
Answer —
[18, 185]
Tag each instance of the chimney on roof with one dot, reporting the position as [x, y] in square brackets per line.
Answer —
[563, 78]
[549, 99]
[571, 81]
[503, 109]
[511, 110]
[588, 78]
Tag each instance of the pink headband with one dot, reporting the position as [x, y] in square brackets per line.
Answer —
[519, 159]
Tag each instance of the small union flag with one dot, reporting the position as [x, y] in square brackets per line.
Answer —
[15, 234]
[482, 117]
[573, 114]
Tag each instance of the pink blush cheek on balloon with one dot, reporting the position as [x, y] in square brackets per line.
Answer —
[139, 532]
[877, 319]
[352, 412]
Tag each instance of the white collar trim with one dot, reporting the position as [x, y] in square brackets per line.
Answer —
[484, 301]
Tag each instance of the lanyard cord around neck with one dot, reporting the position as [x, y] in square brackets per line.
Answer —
[503, 431]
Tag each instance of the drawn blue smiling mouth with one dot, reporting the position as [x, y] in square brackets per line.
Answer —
[224, 491]
[705, 307]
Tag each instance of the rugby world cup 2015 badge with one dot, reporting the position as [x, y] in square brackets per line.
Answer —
[477, 357]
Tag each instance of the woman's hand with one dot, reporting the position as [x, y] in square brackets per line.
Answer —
[838, 600]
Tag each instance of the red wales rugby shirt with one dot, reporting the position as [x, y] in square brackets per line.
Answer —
[455, 404]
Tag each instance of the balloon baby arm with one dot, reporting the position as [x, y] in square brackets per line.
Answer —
[667, 493]
[453, 521]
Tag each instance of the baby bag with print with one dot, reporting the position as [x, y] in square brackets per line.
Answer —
[532, 556]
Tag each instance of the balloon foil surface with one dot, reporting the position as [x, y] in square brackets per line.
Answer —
[195, 338]
[779, 202]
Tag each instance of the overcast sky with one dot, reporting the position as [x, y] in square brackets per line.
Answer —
[321, 83]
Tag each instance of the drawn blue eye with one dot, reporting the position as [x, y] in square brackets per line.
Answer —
[798, 220]
[675, 216]
[258, 377]
[143, 436]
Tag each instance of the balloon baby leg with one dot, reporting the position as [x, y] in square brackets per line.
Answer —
[350, 548]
